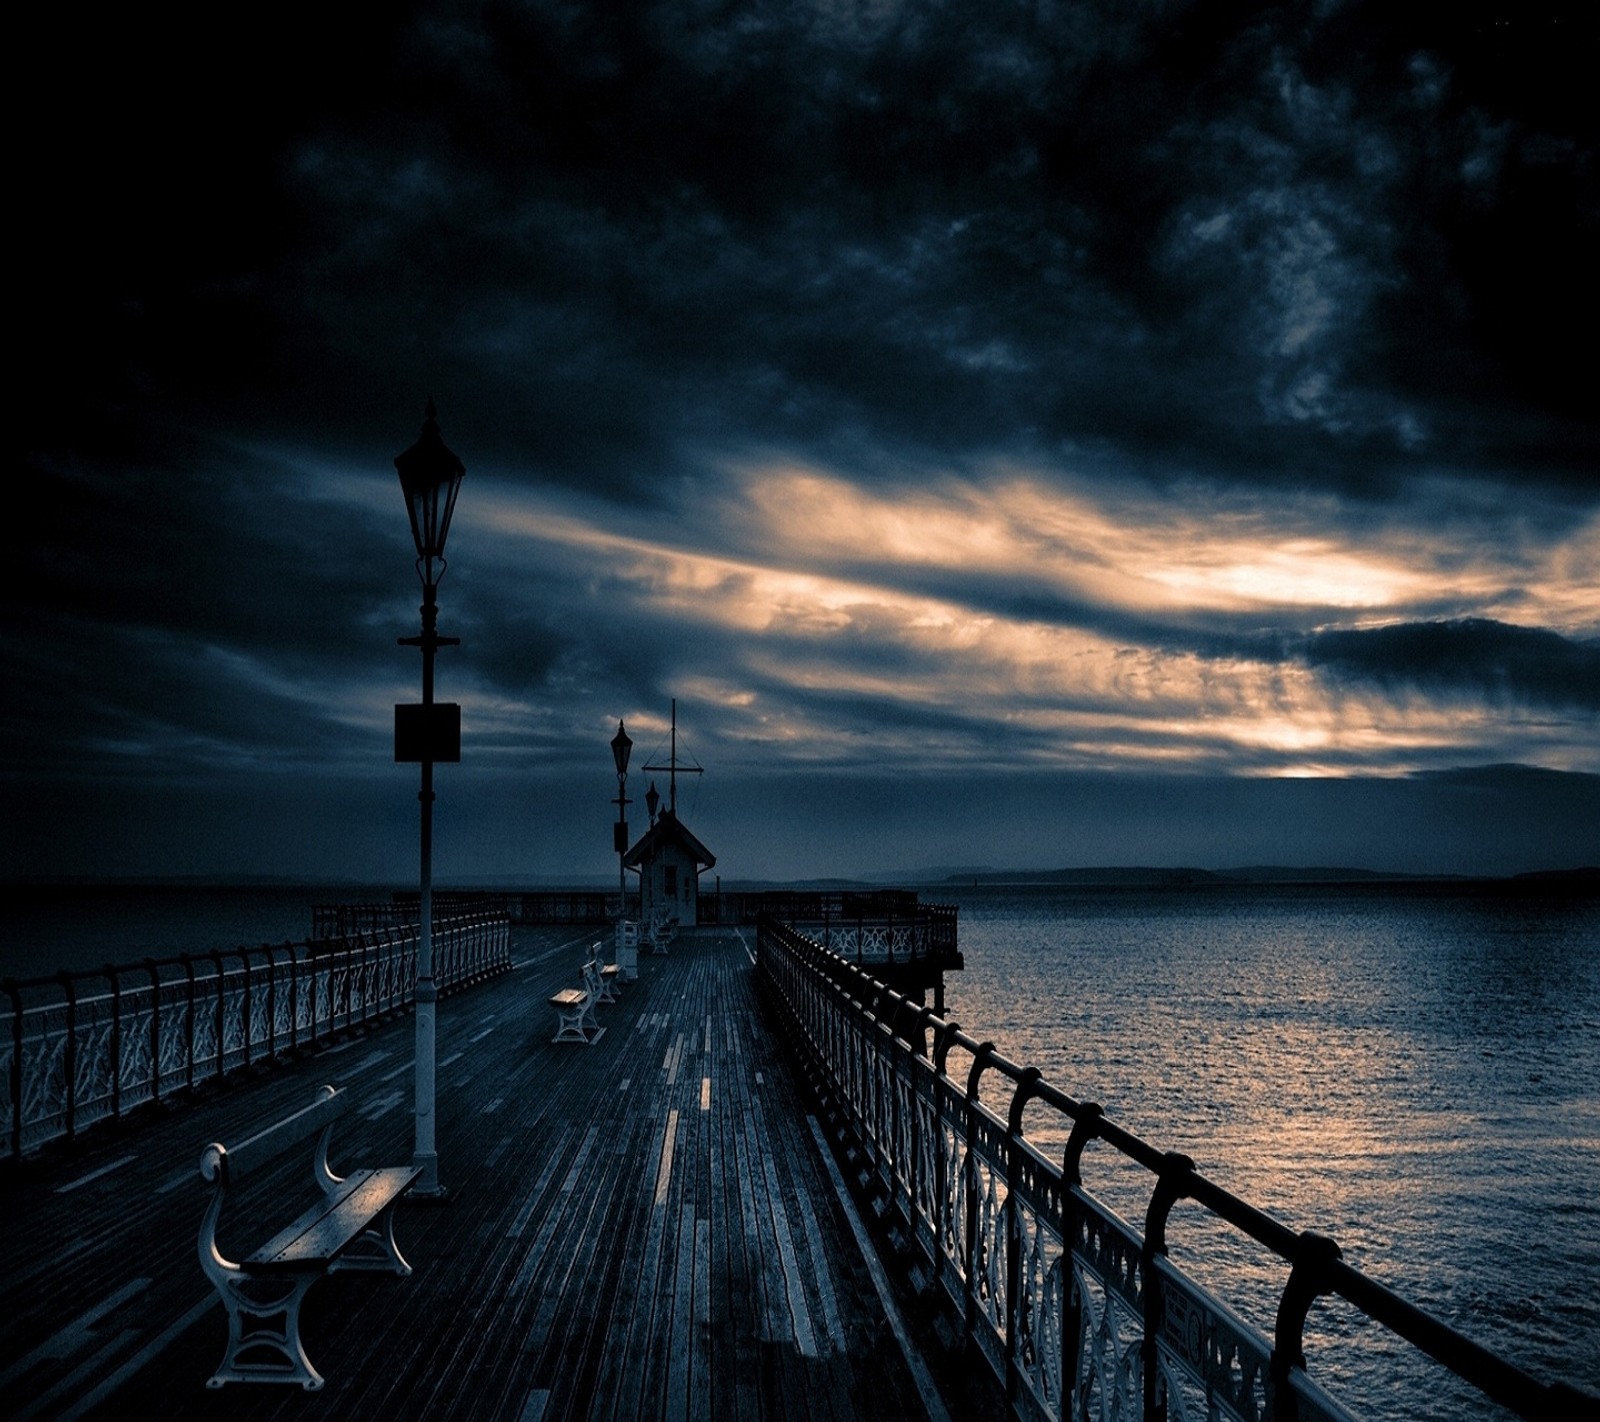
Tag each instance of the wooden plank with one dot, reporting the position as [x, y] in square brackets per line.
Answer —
[680, 1337]
[699, 1349]
[583, 1247]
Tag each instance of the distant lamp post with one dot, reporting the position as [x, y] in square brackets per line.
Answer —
[652, 801]
[621, 749]
[430, 478]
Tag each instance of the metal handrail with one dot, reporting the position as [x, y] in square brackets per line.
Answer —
[77, 1049]
[978, 1197]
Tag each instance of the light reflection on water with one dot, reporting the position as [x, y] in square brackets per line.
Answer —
[1415, 1072]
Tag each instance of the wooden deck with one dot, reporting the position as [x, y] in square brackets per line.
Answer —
[639, 1228]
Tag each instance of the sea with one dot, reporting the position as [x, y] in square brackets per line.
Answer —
[1412, 1069]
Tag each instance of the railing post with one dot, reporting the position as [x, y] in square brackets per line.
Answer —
[1084, 1129]
[941, 1047]
[155, 1029]
[980, 1060]
[247, 1013]
[272, 1000]
[294, 996]
[188, 970]
[221, 1014]
[1027, 1085]
[116, 1040]
[1171, 1186]
[319, 965]
[343, 954]
[943, 1222]
[70, 1056]
[1308, 1278]
[15, 1083]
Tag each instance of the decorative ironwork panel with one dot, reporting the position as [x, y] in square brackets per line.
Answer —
[1110, 1371]
[176, 1031]
[44, 1074]
[1036, 1338]
[94, 1059]
[136, 1064]
[986, 1283]
[234, 1001]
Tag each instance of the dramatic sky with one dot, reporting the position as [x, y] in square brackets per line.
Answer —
[1017, 434]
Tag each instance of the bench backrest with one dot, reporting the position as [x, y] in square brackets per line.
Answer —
[226, 1164]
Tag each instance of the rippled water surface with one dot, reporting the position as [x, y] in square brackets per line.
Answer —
[1413, 1071]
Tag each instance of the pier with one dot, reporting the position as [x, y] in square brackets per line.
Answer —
[770, 1188]
[640, 1227]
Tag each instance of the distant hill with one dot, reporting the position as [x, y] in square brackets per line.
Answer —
[1286, 874]
[1138, 876]
[1141, 876]
[1588, 874]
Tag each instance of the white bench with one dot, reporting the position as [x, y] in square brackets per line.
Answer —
[595, 982]
[350, 1226]
[607, 978]
[574, 1016]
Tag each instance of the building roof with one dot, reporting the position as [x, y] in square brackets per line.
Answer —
[668, 829]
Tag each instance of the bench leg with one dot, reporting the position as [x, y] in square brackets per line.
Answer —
[264, 1331]
[569, 1027]
[374, 1248]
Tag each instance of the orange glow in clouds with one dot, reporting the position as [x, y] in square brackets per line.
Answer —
[815, 584]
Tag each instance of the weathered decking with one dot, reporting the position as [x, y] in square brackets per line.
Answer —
[643, 1227]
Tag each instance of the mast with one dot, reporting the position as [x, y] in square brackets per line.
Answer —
[671, 767]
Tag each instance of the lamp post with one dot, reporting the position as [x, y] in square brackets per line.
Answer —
[430, 478]
[621, 749]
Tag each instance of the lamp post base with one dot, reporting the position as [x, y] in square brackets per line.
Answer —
[429, 1188]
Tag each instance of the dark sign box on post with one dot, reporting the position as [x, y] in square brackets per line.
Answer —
[428, 732]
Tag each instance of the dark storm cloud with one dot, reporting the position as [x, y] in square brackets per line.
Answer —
[1196, 239]
[1181, 237]
[190, 607]
[1523, 665]
[1196, 245]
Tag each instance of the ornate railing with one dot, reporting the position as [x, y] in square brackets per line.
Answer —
[81, 1048]
[1078, 1313]
[888, 926]
[925, 933]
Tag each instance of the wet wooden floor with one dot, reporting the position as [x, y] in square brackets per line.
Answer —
[644, 1227]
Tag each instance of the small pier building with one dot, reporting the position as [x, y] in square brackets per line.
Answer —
[669, 860]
